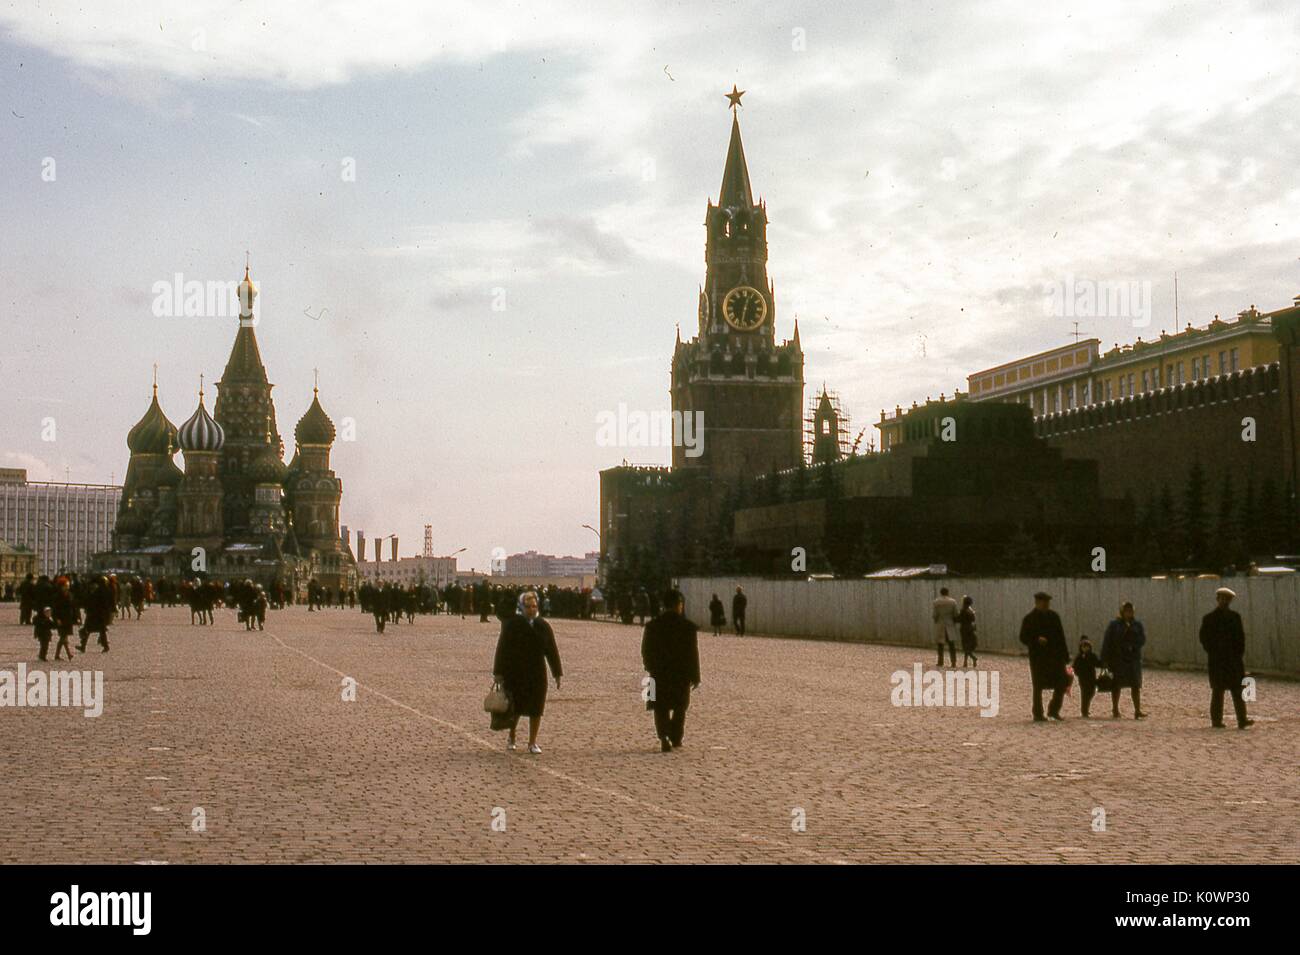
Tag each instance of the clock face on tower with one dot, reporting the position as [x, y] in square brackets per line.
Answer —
[744, 308]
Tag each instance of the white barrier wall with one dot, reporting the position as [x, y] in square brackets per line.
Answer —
[898, 611]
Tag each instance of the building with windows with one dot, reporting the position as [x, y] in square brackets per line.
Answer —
[15, 564]
[532, 564]
[435, 571]
[1081, 375]
[63, 523]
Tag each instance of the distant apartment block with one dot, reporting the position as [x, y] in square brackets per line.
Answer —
[532, 564]
[434, 571]
[63, 523]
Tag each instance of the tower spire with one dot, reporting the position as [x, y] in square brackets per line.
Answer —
[735, 191]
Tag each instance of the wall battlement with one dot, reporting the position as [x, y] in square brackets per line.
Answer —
[1247, 383]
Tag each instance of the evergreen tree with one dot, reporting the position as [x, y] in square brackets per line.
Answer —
[1023, 554]
[1271, 517]
[1227, 547]
[1167, 535]
[1249, 519]
[1194, 516]
[799, 481]
[867, 557]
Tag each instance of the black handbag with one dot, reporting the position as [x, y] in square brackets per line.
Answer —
[1105, 681]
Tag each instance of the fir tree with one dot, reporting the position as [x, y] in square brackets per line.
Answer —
[1194, 516]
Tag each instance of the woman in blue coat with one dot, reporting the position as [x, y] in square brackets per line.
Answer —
[1121, 654]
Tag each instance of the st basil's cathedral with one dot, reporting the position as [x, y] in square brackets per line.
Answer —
[236, 510]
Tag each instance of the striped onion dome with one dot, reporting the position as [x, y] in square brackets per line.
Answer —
[201, 433]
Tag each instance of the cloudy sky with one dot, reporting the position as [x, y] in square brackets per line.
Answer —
[522, 231]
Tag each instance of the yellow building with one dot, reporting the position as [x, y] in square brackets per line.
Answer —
[1079, 374]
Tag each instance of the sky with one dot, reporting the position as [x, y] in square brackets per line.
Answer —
[480, 223]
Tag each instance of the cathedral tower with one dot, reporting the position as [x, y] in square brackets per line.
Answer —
[150, 473]
[743, 390]
[314, 489]
[198, 499]
[243, 409]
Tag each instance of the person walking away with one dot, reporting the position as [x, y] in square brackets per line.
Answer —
[260, 604]
[670, 652]
[379, 607]
[1121, 654]
[137, 596]
[525, 649]
[65, 619]
[100, 607]
[717, 617]
[966, 624]
[44, 630]
[944, 614]
[1085, 670]
[26, 600]
[1042, 633]
[738, 605]
[1224, 640]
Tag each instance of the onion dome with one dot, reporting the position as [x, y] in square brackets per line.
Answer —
[267, 467]
[201, 432]
[153, 433]
[131, 523]
[247, 291]
[315, 427]
[170, 475]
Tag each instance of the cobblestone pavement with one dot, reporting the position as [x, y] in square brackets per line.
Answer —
[252, 729]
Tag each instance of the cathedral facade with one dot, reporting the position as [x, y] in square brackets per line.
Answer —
[235, 510]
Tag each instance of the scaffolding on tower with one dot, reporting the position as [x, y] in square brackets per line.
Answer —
[845, 444]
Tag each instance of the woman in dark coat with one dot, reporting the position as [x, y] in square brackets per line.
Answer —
[1121, 654]
[717, 615]
[966, 624]
[525, 648]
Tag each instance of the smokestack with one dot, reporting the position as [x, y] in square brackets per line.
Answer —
[394, 547]
[344, 536]
[361, 545]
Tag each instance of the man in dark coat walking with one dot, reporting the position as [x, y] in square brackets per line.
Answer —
[1042, 633]
[671, 653]
[738, 605]
[1224, 640]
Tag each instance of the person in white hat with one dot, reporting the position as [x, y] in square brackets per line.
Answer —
[1224, 640]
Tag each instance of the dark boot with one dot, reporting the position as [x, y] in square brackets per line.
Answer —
[1137, 705]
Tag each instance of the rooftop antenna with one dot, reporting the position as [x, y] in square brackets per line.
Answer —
[1175, 303]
